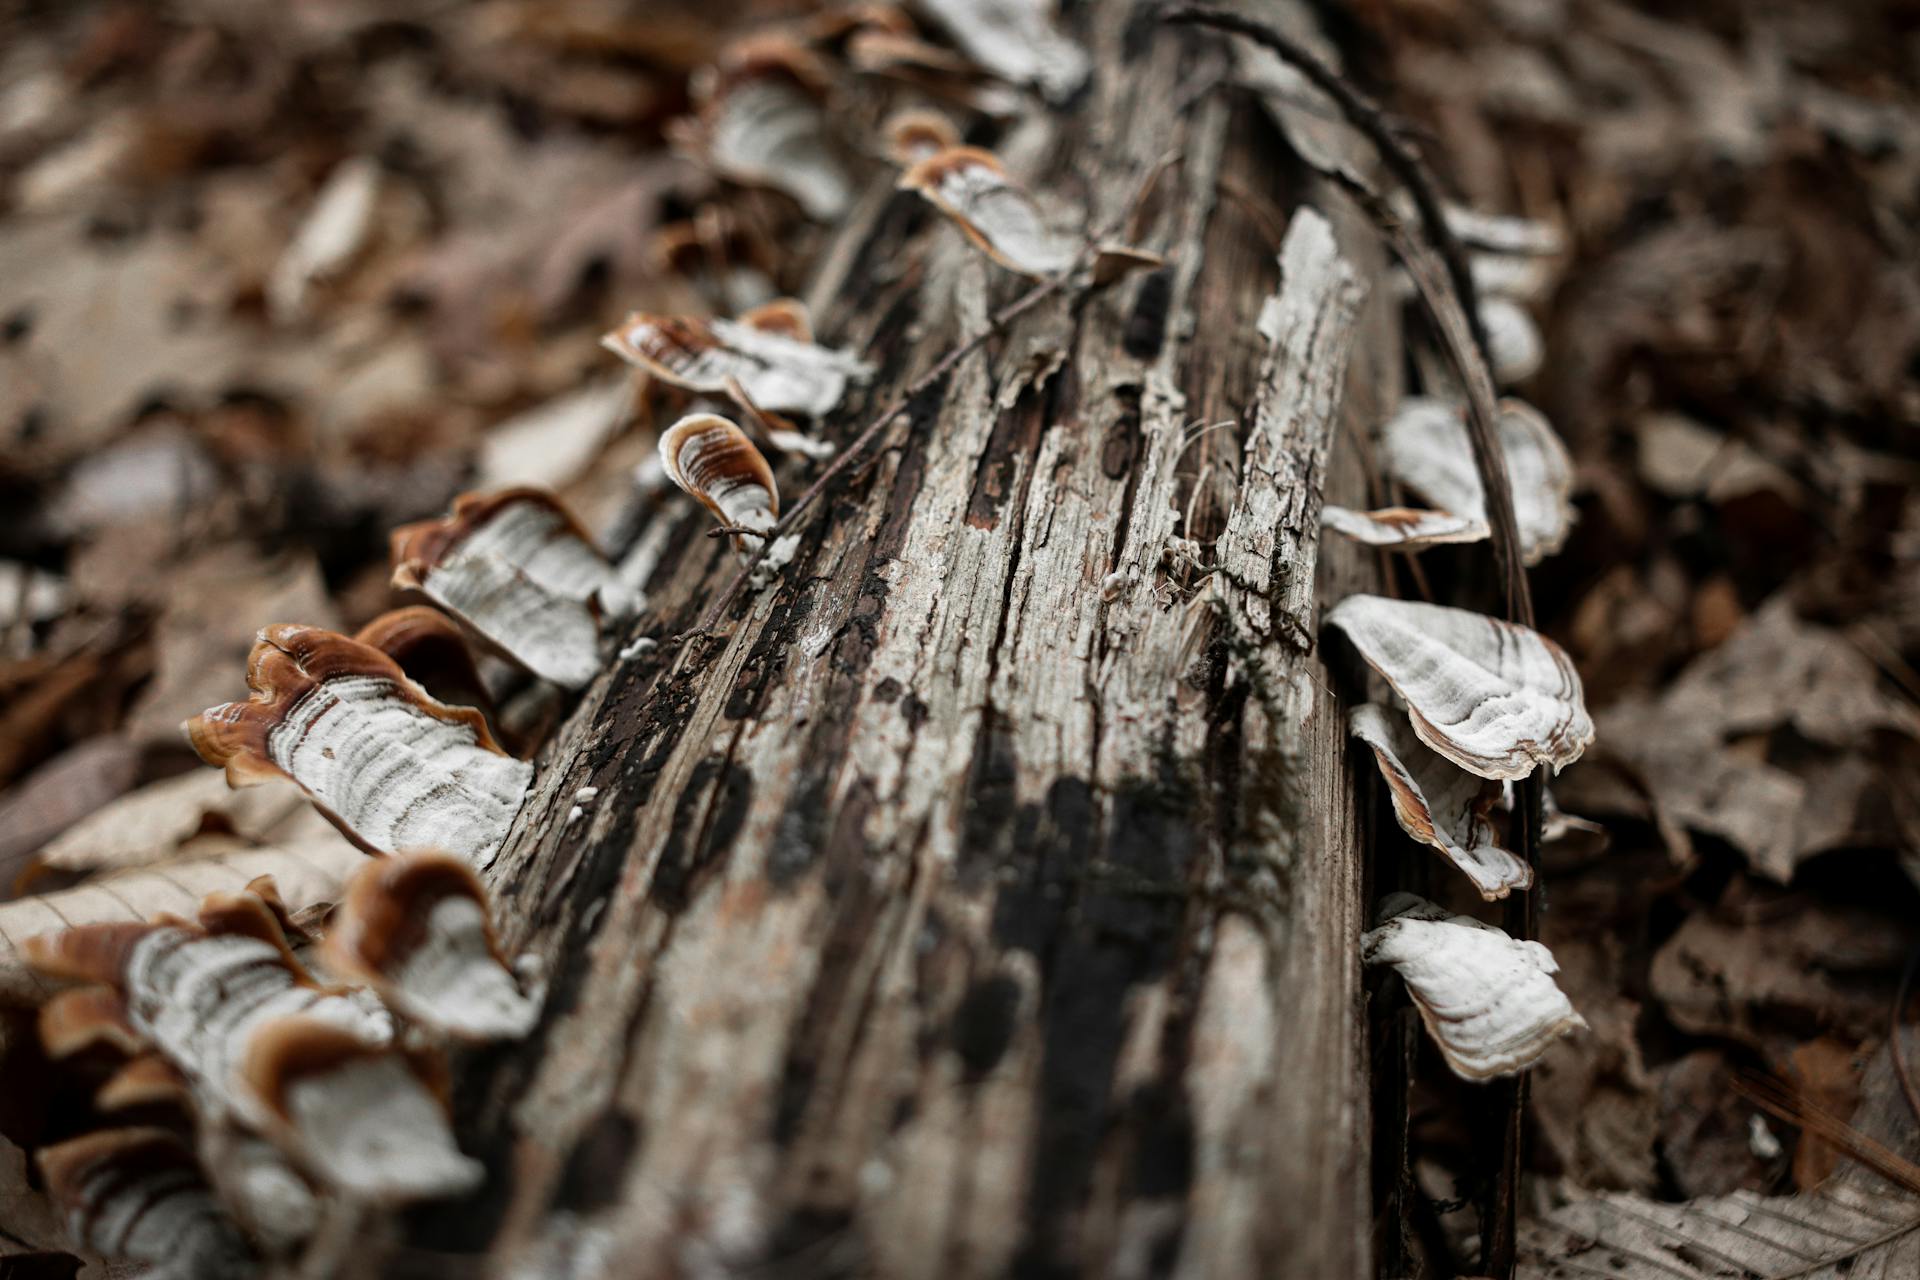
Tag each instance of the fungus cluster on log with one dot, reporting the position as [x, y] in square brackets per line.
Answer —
[1485, 701]
[243, 1069]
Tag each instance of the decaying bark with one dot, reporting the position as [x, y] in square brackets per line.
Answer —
[986, 896]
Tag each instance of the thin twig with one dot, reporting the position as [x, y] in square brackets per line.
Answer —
[939, 370]
[1833, 1261]
[1785, 1103]
[1898, 1045]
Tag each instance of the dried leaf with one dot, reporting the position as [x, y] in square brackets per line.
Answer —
[1494, 698]
[303, 876]
[1696, 748]
[1439, 804]
[150, 825]
[213, 607]
[334, 231]
[1488, 1001]
[554, 443]
[59, 793]
[392, 768]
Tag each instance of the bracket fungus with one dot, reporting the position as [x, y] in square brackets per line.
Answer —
[388, 765]
[1495, 698]
[1015, 40]
[763, 122]
[318, 1070]
[517, 568]
[769, 351]
[1515, 349]
[971, 186]
[81, 1019]
[1489, 1001]
[1404, 528]
[139, 1194]
[415, 928]
[1425, 446]
[147, 1083]
[358, 1114]
[1439, 804]
[712, 459]
[915, 135]
[431, 649]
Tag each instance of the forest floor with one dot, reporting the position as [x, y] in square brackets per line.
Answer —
[276, 279]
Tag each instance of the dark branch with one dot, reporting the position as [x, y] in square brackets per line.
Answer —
[1385, 133]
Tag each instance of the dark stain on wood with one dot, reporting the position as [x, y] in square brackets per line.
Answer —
[598, 1165]
[984, 1023]
[1146, 330]
[1109, 932]
[692, 853]
[1015, 434]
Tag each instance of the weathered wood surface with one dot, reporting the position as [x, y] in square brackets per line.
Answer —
[942, 917]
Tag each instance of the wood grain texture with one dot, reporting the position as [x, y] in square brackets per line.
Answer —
[943, 917]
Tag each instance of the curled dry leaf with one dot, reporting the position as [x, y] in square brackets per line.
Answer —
[139, 1195]
[763, 123]
[391, 767]
[1425, 446]
[1016, 40]
[1495, 698]
[1488, 1001]
[515, 566]
[1406, 528]
[415, 929]
[712, 459]
[782, 368]
[305, 876]
[151, 824]
[1439, 804]
[971, 186]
